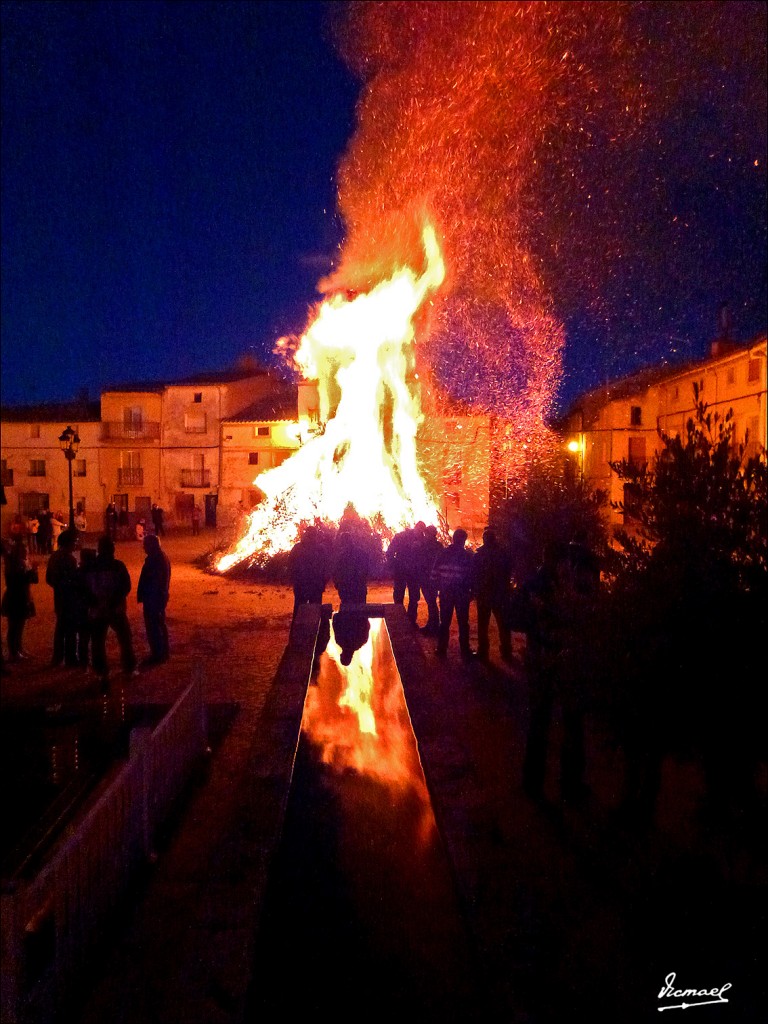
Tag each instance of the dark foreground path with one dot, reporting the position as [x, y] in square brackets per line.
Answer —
[574, 914]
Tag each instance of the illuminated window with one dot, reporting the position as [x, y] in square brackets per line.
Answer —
[253, 458]
[753, 370]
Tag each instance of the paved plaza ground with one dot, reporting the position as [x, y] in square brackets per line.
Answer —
[575, 914]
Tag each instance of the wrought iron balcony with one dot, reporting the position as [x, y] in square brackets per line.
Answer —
[133, 477]
[144, 431]
[195, 478]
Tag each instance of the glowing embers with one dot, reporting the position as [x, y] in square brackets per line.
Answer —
[360, 351]
[356, 714]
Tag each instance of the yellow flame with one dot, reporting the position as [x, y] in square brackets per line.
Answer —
[359, 350]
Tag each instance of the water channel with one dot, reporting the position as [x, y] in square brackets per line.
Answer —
[361, 916]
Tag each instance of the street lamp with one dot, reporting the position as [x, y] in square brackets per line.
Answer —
[69, 443]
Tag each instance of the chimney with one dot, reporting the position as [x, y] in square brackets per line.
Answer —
[723, 342]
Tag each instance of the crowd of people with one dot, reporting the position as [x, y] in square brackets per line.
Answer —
[551, 608]
[90, 592]
[91, 588]
[447, 577]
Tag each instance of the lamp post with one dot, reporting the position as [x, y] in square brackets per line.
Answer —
[69, 443]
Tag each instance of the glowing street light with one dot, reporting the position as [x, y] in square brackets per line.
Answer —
[69, 443]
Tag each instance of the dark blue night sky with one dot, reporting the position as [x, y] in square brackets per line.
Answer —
[169, 197]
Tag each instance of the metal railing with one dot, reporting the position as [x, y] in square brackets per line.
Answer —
[130, 477]
[52, 921]
[144, 431]
[195, 478]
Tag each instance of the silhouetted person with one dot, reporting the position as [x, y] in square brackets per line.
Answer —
[83, 606]
[398, 557]
[429, 550]
[17, 604]
[63, 576]
[110, 584]
[309, 568]
[453, 576]
[152, 592]
[111, 520]
[492, 573]
[351, 631]
[158, 520]
[351, 566]
[44, 532]
[562, 597]
[197, 516]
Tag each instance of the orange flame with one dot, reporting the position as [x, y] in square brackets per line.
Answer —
[361, 352]
[357, 715]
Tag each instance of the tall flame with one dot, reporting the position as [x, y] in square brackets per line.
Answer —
[360, 350]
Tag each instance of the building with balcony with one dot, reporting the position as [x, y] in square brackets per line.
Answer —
[35, 473]
[622, 420]
[204, 441]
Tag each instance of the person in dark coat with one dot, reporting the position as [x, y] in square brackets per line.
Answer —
[17, 604]
[158, 520]
[492, 575]
[110, 520]
[153, 592]
[453, 576]
[399, 558]
[44, 532]
[430, 549]
[110, 585]
[83, 605]
[62, 575]
[351, 566]
[562, 593]
[309, 568]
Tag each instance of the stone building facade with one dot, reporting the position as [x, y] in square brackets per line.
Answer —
[622, 420]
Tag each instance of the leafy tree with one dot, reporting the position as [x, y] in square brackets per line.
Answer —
[702, 500]
[688, 601]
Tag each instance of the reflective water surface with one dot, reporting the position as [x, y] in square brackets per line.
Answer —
[361, 915]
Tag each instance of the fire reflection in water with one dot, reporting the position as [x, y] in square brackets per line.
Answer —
[356, 714]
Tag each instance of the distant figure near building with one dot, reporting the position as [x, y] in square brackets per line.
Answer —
[453, 576]
[111, 521]
[33, 526]
[492, 575]
[309, 568]
[44, 532]
[62, 574]
[197, 516]
[110, 584]
[158, 520]
[152, 592]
